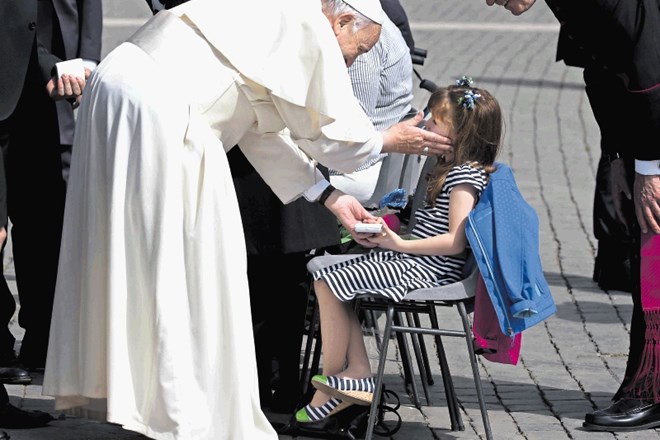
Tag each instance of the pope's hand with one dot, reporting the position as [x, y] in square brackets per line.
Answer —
[350, 211]
[407, 138]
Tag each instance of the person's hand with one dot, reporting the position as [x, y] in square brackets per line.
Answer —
[350, 211]
[619, 188]
[647, 202]
[387, 238]
[405, 137]
[516, 7]
[67, 87]
[3, 235]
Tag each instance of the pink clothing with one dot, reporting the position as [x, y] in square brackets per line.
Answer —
[489, 340]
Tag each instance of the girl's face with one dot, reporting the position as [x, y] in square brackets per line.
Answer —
[438, 126]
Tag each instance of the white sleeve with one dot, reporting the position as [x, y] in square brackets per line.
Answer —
[647, 167]
[288, 141]
[284, 167]
[343, 144]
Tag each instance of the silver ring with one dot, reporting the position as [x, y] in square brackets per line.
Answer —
[425, 150]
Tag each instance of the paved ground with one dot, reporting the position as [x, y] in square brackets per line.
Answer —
[573, 362]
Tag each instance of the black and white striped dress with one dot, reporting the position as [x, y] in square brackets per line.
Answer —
[393, 274]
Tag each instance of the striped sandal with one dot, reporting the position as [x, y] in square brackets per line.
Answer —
[310, 414]
[358, 391]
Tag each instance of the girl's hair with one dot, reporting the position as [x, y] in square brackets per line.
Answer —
[476, 125]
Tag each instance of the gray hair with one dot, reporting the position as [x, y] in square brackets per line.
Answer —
[336, 7]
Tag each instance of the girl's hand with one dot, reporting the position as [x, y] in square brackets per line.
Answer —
[387, 239]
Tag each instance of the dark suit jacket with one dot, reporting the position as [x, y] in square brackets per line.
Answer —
[620, 37]
[62, 29]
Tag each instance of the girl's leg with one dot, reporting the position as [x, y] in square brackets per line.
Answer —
[335, 334]
[358, 360]
[341, 334]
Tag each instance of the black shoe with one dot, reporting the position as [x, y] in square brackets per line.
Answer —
[350, 423]
[16, 418]
[4, 435]
[15, 376]
[625, 414]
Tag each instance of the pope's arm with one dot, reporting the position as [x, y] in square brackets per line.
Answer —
[290, 173]
[284, 167]
[287, 159]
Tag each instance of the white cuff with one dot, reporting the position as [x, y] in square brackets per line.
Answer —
[377, 141]
[312, 194]
[647, 167]
[91, 65]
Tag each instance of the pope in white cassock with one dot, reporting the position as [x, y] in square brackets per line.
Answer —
[151, 325]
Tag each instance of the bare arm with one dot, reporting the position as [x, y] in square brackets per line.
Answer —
[461, 202]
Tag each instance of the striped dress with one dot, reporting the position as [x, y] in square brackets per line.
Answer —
[393, 274]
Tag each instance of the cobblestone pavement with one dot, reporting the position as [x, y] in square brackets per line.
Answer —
[574, 361]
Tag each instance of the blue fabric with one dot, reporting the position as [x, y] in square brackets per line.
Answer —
[395, 199]
[503, 232]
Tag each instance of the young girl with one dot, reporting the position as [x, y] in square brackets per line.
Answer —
[472, 118]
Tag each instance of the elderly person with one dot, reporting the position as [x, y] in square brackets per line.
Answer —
[382, 80]
[151, 326]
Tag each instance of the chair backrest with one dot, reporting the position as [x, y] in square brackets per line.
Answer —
[419, 195]
[397, 171]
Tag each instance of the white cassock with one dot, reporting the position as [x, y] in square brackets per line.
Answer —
[151, 324]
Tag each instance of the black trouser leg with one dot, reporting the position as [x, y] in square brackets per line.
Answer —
[35, 194]
[278, 315]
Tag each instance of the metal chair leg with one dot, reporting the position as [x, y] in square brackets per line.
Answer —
[447, 381]
[475, 370]
[406, 360]
[425, 356]
[313, 355]
[422, 359]
[373, 413]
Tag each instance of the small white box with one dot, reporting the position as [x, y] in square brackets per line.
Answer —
[371, 228]
[73, 67]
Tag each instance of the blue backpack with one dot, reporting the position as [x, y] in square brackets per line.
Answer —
[503, 232]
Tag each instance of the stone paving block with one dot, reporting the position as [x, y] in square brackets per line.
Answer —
[587, 435]
[544, 435]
